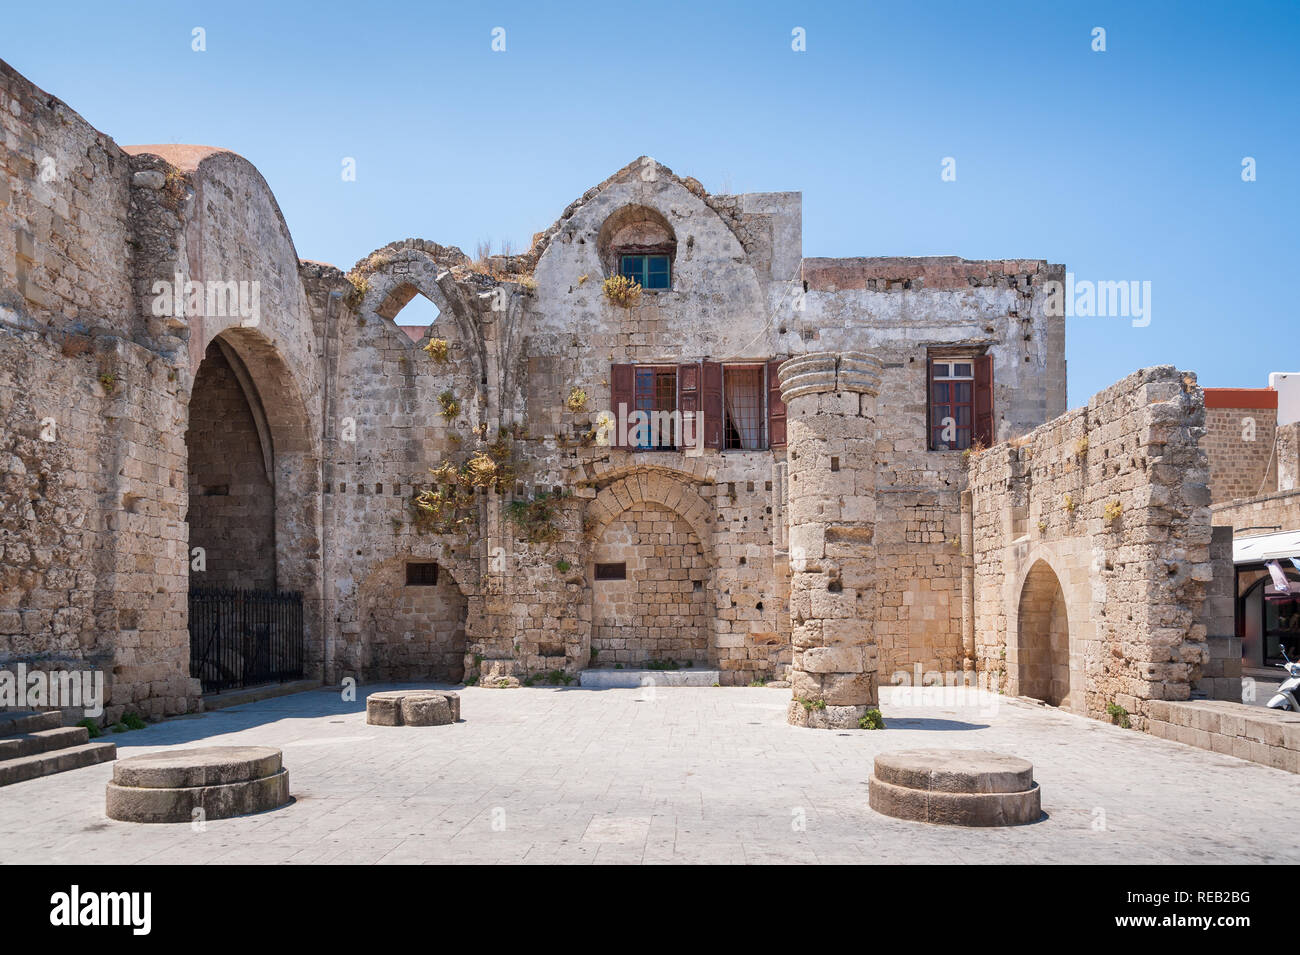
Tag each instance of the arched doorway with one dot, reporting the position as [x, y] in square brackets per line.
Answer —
[252, 510]
[651, 598]
[1043, 658]
[413, 623]
[231, 477]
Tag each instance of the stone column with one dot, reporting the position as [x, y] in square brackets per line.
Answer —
[830, 402]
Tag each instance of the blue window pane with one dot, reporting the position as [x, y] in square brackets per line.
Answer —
[657, 271]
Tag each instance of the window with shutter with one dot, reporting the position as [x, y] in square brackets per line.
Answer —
[688, 403]
[711, 403]
[620, 400]
[775, 406]
[951, 402]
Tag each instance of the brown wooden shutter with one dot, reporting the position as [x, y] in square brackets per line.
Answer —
[688, 402]
[984, 400]
[621, 379]
[711, 403]
[929, 403]
[775, 407]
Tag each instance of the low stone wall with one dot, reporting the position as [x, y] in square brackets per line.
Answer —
[1261, 735]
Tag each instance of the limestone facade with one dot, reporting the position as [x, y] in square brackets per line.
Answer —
[317, 424]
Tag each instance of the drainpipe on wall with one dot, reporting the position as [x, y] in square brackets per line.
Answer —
[968, 580]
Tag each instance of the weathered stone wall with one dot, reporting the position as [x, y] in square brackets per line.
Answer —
[898, 309]
[94, 547]
[411, 632]
[350, 411]
[661, 610]
[1221, 674]
[1239, 442]
[1110, 500]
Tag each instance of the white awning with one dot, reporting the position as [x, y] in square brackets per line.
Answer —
[1253, 550]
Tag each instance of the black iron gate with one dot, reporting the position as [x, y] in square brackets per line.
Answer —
[241, 638]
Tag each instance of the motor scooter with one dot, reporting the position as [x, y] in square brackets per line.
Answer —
[1288, 694]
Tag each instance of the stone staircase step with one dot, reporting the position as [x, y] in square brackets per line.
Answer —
[42, 741]
[57, 761]
[17, 722]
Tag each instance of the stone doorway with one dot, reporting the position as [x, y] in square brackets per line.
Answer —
[413, 623]
[231, 511]
[1043, 658]
[651, 597]
[251, 496]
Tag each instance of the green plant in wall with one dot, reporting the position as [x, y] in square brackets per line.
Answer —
[621, 291]
[1068, 503]
[438, 350]
[109, 381]
[1112, 511]
[1042, 527]
[563, 566]
[1118, 715]
[871, 720]
[810, 705]
[1081, 447]
[450, 406]
[535, 517]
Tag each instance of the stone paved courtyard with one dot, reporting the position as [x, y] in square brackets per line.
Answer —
[670, 775]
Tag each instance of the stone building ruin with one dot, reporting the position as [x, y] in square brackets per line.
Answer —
[883, 474]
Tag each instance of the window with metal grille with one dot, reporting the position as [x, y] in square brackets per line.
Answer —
[650, 271]
[655, 393]
[422, 574]
[952, 403]
[612, 571]
[744, 412]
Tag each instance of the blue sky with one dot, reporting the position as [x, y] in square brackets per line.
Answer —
[1124, 165]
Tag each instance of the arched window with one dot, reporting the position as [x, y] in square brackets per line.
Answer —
[637, 241]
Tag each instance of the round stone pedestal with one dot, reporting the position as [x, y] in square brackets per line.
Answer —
[956, 787]
[412, 708]
[222, 781]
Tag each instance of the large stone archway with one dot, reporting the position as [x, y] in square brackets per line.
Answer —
[252, 482]
[1043, 661]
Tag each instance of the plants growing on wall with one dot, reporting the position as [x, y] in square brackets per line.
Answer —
[577, 400]
[450, 406]
[437, 350]
[535, 518]
[621, 291]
